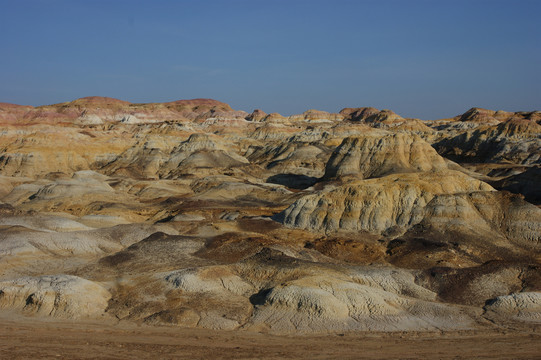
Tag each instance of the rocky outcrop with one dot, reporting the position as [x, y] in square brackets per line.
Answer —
[484, 116]
[525, 306]
[316, 116]
[395, 202]
[201, 151]
[281, 293]
[379, 153]
[256, 115]
[297, 158]
[494, 117]
[488, 215]
[60, 296]
[515, 141]
[358, 114]
[384, 119]
[323, 303]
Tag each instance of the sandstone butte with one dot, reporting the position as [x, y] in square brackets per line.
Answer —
[191, 214]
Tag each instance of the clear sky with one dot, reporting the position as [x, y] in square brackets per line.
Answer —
[427, 59]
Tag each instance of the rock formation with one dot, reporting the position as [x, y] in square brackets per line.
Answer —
[378, 153]
[190, 213]
[377, 205]
[59, 296]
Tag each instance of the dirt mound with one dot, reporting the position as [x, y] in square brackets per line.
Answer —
[379, 154]
[55, 295]
[396, 201]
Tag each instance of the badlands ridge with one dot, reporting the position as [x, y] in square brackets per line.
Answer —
[192, 214]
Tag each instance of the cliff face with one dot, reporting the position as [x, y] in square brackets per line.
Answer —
[194, 214]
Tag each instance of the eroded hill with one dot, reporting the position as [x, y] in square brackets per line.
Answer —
[192, 214]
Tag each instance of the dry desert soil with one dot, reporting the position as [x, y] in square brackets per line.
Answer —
[24, 338]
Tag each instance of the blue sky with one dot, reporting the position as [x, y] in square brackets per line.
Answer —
[426, 59]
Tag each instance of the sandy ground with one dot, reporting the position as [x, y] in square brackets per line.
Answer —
[25, 338]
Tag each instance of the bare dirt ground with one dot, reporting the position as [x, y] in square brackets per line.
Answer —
[25, 338]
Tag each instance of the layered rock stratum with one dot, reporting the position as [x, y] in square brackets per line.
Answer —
[190, 213]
